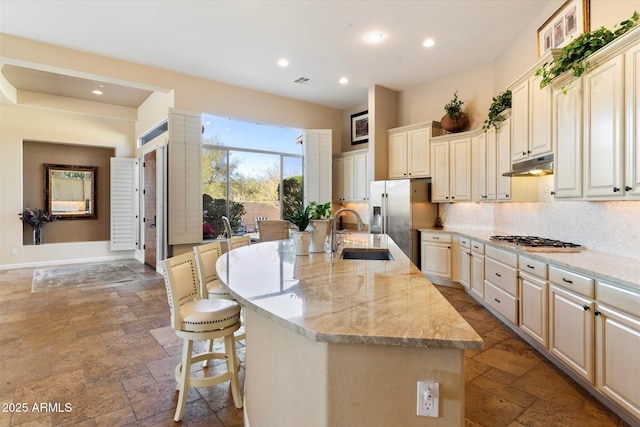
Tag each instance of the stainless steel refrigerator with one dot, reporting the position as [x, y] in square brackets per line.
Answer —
[400, 208]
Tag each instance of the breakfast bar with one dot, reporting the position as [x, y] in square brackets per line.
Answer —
[343, 342]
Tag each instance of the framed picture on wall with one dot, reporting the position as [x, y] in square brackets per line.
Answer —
[360, 128]
[567, 23]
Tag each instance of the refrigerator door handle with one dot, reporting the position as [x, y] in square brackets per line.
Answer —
[385, 210]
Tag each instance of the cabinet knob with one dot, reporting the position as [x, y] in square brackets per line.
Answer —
[528, 151]
[627, 188]
[506, 196]
[524, 153]
[616, 189]
[553, 193]
[596, 313]
[585, 307]
[453, 197]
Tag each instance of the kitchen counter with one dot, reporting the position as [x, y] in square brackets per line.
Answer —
[343, 342]
[613, 269]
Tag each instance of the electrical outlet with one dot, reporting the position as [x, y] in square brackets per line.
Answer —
[428, 399]
[14, 251]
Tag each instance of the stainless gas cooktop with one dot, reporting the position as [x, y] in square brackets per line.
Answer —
[539, 244]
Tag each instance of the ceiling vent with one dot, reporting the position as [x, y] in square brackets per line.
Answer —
[301, 80]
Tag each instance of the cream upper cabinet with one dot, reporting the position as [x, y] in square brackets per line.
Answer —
[409, 150]
[451, 169]
[595, 125]
[531, 113]
[492, 165]
[520, 118]
[440, 171]
[632, 134]
[350, 182]
[398, 155]
[337, 171]
[460, 169]
[479, 167]
[567, 138]
[603, 129]
[503, 142]
[360, 178]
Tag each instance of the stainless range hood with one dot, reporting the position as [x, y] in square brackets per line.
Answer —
[533, 167]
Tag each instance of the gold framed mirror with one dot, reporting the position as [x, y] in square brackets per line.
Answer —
[71, 191]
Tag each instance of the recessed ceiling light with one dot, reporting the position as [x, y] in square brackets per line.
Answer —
[428, 43]
[374, 37]
[96, 92]
[283, 62]
[343, 80]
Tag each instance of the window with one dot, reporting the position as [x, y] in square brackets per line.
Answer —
[249, 171]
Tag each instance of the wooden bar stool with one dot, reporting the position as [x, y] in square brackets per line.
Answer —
[196, 319]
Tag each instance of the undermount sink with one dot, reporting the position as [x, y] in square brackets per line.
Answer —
[379, 254]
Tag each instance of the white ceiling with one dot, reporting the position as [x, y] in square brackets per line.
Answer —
[239, 42]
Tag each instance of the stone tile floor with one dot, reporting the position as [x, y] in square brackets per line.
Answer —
[105, 357]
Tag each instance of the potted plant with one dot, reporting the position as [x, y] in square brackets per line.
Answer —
[500, 104]
[301, 238]
[319, 214]
[574, 55]
[455, 119]
[36, 218]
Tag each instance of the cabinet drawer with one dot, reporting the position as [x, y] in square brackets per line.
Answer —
[504, 303]
[504, 257]
[619, 298]
[477, 247]
[533, 267]
[465, 242]
[579, 284]
[436, 237]
[501, 275]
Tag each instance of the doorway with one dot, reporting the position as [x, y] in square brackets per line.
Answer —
[150, 214]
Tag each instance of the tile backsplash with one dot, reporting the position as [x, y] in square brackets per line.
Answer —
[609, 227]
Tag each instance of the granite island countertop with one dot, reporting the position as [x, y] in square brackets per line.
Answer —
[328, 299]
[613, 269]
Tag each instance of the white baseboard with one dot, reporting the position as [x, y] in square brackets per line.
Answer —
[65, 261]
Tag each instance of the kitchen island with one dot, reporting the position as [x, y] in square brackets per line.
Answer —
[333, 342]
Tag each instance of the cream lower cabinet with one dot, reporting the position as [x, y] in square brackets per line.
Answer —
[501, 283]
[571, 323]
[534, 299]
[477, 269]
[435, 254]
[618, 345]
[465, 262]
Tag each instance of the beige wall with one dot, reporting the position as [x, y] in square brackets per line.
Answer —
[35, 155]
[18, 124]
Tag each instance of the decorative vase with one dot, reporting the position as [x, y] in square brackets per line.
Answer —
[319, 229]
[37, 235]
[301, 240]
[454, 125]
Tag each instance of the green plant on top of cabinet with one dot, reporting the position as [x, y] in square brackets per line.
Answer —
[409, 150]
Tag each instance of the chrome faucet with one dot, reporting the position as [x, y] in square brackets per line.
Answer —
[334, 243]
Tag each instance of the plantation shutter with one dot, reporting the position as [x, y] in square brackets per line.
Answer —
[124, 204]
[185, 183]
[317, 165]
